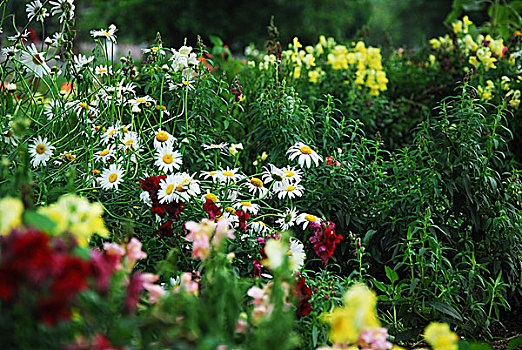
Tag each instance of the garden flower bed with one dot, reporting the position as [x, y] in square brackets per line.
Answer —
[317, 196]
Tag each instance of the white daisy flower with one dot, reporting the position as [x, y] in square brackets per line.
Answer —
[293, 175]
[82, 108]
[256, 185]
[145, 198]
[249, 207]
[54, 109]
[107, 34]
[19, 36]
[288, 220]
[130, 141]
[109, 134]
[66, 157]
[230, 175]
[162, 138]
[103, 70]
[106, 154]
[296, 254]
[35, 61]
[154, 50]
[40, 151]
[306, 219]
[167, 159]
[211, 196]
[304, 154]
[214, 175]
[111, 178]
[64, 8]
[81, 61]
[291, 191]
[277, 176]
[7, 135]
[36, 9]
[222, 146]
[141, 100]
[259, 227]
[176, 187]
[10, 51]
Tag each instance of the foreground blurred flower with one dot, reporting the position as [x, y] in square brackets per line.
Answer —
[11, 210]
[440, 337]
[357, 313]
[304, 154]
[77, 216]
[40, 151]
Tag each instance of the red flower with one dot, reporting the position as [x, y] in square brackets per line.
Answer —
[103, 266]
[72, 277]
[243, 217]
[134, 289]
[257, 269]
[211, 209]
[304, 294]
[324, 242]
[165, 230]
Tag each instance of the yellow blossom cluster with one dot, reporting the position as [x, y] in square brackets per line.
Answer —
[302, 58]
[486, 93]
[77, 216]
[367, 62]
[480, 51]
[440, 337]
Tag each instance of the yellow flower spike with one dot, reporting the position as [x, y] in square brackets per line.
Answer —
[440, 337]
[11, 210]
[357, 313]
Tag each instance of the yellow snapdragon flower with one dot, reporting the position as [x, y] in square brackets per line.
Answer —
[440, 337]
[11, 210]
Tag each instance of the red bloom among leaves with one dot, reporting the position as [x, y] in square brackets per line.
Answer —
[211, 209]
[324, 242]
[304, 294]
[151, 185]
[243, 217]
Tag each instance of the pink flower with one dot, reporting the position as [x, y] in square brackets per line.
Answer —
[134, 252]
[116, 251]
[374, 339]
[186, 282]
[155, 292]
[222, 232]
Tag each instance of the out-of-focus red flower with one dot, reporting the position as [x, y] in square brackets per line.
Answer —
[134, 289]
[257, 269]
[304, 294]
[331, 161]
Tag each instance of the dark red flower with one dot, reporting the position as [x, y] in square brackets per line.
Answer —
[304, 294]
[53, 309]
[165, 230]
[243, 217]
[211, 209]
[174, 209]
[257, 269]
[103, 266]
[72, 277]
[324, 242]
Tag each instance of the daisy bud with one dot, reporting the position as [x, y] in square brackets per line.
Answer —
[48, 41]
[264, 156]
[135, 109]
[11, 87]
[123, 59]
[255, 163]
[165, 68]
[54, 69]
[57, 57]
[185, 140]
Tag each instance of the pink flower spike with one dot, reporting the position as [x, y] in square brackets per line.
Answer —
[155, 292]
[114, 249]
[134, 252]
[222, 232]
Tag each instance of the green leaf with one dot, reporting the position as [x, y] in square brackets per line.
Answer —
[391, 274]
[314, 336]
[446, 309]
[41, 222]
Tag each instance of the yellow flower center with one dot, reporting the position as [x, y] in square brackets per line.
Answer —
[228, 173]
[170, 188]
[230, 210]
[167, 159]
[141, 100]
[211, 196]
[246, 204]
[95, 171]
[180, 188]
[104, 153]
[112, 132]
[40, 149]
[289, 173]
[162, 136]
[310, 218]
[213, 173]
[69, 157]
[161, 108]
[113, 177]
[290, 188]
[128, 143]
[256, 182]
[83, 105]
[125, 130]
[106, 33]
[155, 48]
[290, 253]
[306, 150]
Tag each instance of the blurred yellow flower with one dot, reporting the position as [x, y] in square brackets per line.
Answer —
[357, 313]
[440, 337]
[76, 215]
[11, 210]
